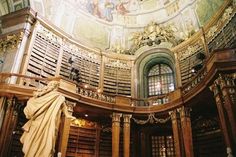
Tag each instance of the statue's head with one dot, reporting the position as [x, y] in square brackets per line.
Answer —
[52, 85]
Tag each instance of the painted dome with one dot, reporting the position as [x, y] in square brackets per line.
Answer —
[115, 25]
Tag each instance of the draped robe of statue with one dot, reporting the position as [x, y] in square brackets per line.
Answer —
[43, 111]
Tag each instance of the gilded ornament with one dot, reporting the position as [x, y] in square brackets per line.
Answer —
[10, 41]
[83, 123]
[153, 34]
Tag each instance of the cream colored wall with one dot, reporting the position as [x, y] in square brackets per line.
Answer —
[88, 32]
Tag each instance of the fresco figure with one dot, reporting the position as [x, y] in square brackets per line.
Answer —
[108, 7]
[121, 7]
[93, 7]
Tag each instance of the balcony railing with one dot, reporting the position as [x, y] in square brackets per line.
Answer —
[21, 85]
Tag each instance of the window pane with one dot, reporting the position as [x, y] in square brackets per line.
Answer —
[154, 70]
[162, 146]
[165, 69]
[160, 81]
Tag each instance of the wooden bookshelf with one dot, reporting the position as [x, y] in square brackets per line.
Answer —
[87, 68]
[209, 144]
[43, 59]
[225, 38]
[188, 63]
[117, 80]
[82, 141]
[105, 149]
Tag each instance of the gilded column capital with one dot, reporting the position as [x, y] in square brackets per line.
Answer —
[126, 118]
[214, 88]
[173, 114]
[116, 117]
[221, 80]
[184, 111]
[226, 80]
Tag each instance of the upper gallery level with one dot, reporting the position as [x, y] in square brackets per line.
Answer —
[32, 49]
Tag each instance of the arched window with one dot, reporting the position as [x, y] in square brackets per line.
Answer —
[160, 80]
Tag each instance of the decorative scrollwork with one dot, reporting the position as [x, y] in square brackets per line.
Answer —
[151, 119]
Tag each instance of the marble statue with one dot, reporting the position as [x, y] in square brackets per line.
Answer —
[43, 111]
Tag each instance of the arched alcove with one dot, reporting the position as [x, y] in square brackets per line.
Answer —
[145, 62]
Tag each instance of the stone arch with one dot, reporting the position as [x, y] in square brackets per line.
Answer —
[145, 61]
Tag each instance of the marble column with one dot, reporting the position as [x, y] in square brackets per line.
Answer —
[176, 132]
[115, 134]
[186, 131]
[126, 134]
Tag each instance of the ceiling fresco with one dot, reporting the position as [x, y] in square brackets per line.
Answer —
[107, 10]
[116, 25]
